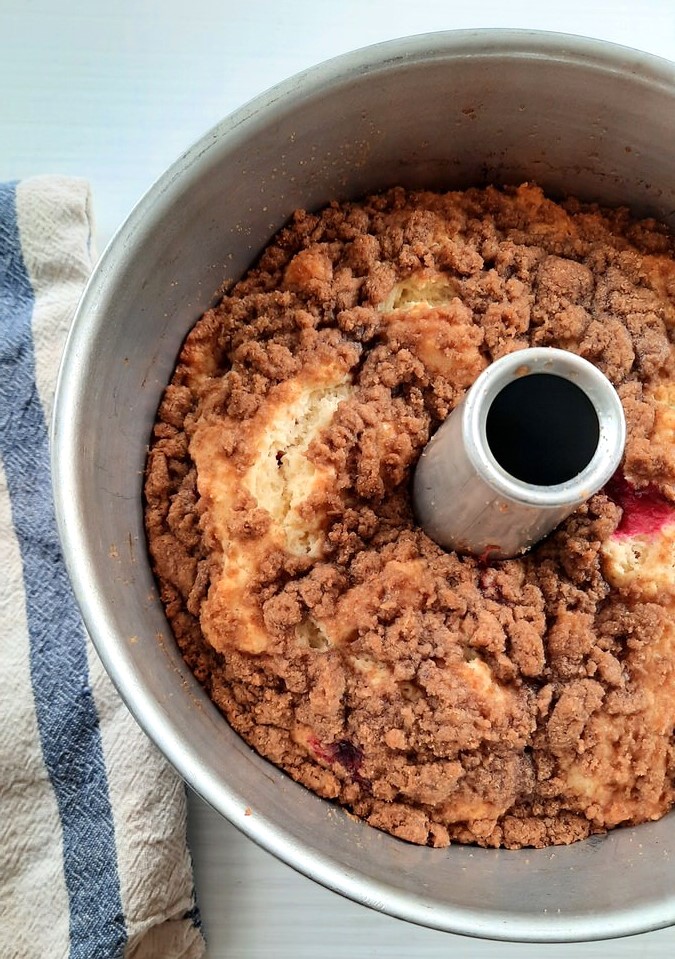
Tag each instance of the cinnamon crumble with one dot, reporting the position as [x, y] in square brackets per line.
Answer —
[439, 697]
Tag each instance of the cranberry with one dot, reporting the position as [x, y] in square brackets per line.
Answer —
[645, 510]
[344, 752]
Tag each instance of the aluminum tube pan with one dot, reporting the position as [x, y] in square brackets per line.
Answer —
[555, 108]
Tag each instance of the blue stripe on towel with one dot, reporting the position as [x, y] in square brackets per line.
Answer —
[66, 713]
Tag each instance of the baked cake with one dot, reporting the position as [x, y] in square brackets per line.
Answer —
[442, 698]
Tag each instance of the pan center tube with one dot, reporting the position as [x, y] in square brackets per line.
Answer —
[542, 429]
[539, 432]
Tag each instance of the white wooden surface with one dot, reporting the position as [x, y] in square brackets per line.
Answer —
[114, 90]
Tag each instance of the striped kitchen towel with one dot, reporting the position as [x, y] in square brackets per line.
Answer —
[93, 855]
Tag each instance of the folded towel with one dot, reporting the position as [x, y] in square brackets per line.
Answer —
[93, 856]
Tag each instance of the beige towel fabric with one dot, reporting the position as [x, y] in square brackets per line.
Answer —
[93, 856]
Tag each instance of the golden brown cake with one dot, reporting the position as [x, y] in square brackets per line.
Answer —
[441, 698]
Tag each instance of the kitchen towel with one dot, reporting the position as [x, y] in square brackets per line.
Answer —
[93, 856]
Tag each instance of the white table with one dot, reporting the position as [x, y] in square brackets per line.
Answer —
[114, 90]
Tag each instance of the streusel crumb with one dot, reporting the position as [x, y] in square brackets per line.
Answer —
[438, 697]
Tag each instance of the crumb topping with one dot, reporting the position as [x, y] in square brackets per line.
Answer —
[442, 698]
